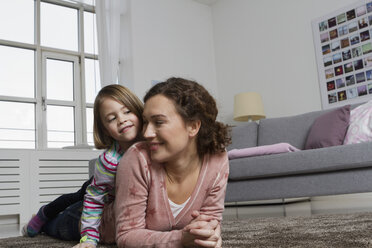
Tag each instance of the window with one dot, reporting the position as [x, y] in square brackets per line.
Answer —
[18, 128]
[14, 28]
[17, 74]
[49, 73]
[59, 26]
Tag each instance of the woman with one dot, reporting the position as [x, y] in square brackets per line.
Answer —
[170, 189]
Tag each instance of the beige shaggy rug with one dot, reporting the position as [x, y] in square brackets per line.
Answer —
[338, 230]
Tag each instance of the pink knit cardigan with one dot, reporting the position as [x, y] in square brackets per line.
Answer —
[141, 209]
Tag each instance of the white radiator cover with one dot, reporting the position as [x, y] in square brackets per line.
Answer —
[32, 178]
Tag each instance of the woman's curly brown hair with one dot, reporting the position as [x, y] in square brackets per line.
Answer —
[193, 102]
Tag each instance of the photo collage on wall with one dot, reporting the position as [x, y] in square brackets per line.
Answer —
[345, 56]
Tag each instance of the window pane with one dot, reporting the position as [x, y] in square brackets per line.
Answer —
[90, 126]
[60, 79]
[17, 130]
[16, 72]
[92, 79]
[59, 27]
[90, 33]
[14, 28]
[61, 130]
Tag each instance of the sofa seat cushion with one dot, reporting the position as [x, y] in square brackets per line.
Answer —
[323, 160]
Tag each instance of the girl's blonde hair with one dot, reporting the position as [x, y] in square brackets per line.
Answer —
[121, 94]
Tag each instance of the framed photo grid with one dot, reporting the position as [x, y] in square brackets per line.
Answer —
[343, 47]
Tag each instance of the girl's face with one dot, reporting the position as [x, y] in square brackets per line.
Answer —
[120, 123]
[168, 135]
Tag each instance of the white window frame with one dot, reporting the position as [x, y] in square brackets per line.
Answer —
[41, 53]
[77, 103]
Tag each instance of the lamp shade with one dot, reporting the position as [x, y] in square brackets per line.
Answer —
[247, 106]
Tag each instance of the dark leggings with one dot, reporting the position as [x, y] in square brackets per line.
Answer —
[64, 215]
[66, 225]
[52, 209]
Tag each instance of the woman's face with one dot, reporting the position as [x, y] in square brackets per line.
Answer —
[165, 130]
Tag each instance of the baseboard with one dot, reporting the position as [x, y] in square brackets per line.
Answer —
[306, 206]
[266, 202]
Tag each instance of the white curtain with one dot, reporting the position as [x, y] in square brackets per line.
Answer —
[113, 35]
[109, 14]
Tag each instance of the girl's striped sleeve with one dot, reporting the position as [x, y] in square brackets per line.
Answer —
[96, 194]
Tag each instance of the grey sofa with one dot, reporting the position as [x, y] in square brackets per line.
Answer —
[326, 171]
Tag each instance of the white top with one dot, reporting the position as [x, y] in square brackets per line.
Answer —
[177, 208]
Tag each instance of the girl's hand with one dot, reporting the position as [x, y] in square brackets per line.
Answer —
[84, 245]
[203, 230]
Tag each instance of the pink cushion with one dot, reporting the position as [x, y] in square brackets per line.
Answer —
[360, 129]
[261, 150]
[329, 129]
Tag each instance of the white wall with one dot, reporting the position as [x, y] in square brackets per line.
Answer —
[267, 46]
[171, 38]
[231, 46]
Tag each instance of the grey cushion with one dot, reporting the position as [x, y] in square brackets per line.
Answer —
[244, 136]
[292, 130]
[321, 160]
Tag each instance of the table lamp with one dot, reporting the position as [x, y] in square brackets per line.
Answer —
[248, 106]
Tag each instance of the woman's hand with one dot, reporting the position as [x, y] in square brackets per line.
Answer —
[84, 245]
[208, 239]
[203, 231]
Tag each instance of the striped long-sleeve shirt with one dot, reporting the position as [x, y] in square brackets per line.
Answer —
[99, 192]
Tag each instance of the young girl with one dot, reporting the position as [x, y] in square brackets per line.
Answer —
[117, 125]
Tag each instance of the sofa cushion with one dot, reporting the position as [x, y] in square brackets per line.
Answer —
[302, 162]
[244, 136]
[329, 129]
[292, 129]
[360, 129]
